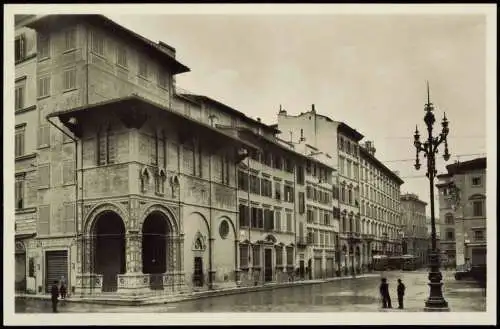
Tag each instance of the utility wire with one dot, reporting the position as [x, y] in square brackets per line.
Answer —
[456, 156]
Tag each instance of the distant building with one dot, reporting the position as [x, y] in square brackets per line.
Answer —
[416, 237]
[462, 192]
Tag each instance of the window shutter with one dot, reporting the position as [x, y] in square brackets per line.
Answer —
[101, 148]
[44, 220]
[69, 172]
[161, 152]
[111, 146]
[69, 218]
[44, 175]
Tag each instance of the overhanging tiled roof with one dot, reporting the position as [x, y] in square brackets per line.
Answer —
[57, 21]
[121, 105]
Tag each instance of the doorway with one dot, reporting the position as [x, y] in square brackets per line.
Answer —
[268, 265]
[198, 272]
[302, 269]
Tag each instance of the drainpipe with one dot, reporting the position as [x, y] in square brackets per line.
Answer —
[210, 238]
[76, 178]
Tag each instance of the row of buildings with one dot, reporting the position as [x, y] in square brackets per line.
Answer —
[462, 213]
[126, 185]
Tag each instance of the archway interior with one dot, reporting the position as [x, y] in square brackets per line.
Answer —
[155, 243]
[109, 253]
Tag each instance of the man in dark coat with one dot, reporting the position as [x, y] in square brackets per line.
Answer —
[384, 293]
[54, 292]
[401, 293]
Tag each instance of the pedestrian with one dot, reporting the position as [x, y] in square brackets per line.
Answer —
[401, 292]
[384, 293]
[63, 288]
[54, 296]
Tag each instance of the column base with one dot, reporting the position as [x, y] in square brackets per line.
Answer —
[88, 284]
[133, 283]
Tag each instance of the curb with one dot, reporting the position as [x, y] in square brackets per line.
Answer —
[197, 295]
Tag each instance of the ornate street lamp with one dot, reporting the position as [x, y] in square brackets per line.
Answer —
[436, 301]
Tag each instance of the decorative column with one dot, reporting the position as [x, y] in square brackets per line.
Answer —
[133, 281]
[88, 282]
[180, 284]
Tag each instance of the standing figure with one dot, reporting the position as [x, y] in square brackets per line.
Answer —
[63, 288]
[401, 293]
[54, 292]
[384, 293]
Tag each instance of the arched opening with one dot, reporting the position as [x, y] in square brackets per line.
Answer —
[20, 267]
[156, 247]
[109, 256]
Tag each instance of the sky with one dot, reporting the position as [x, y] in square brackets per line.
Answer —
[369, 71]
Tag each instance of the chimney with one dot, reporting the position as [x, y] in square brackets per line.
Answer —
[282, 111]
[313, 109]
[258, 119]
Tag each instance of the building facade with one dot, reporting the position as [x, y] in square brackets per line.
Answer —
[416, 237]
[380, 206]
[126, 186]
[463, 191]
[358, 233]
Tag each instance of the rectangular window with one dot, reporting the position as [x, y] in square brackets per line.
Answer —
[163, 79]
[289, 165]
[43, 47]
[243, 215]
[268, 220]
[19, 192]
[254, 217]
[143, 68]
[20, 49]
[69, 79]
[479, 235]
[256, 255]
[277, 190]
[244, 255]
[43, 86]
[161, 151]
[278, 162]
[302, 203]
[70, 39]
[19, 141]
[277, 216]
[43, 135]
[97, 43]
[68, 172]
[121, 56]
[279, 256]
[254, 184]
[289, 227]
[476, 181]
[477, 208]
[19, 97]
[289, 193]
[289, 256]
[43, 226]
[69, 218]
[242, 180]
[300, 175]
[341, 165]
[266, 187]
[44, 176]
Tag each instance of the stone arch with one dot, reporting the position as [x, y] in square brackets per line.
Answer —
[97, 210]
[167, 213]
[477, 196]
[203, 218]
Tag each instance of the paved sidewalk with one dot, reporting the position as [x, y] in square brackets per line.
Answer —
[110, 299]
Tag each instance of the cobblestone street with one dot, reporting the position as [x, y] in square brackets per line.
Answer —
[350, 295]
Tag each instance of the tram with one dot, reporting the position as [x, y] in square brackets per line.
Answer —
[380, 262]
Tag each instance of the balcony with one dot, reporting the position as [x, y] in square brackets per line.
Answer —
[301, 242]
[353, 237]
[368, 237]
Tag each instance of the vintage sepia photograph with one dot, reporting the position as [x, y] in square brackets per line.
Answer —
[250, 164]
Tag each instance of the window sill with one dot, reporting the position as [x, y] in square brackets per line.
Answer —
[159, 194]
[163, 87]
[68, 184]
[25, 109]
[121, 67]
[69, 90]
[25, 59]
[39, 98]
[44, 146]
[67, 51]
[25, 157]
[43, 187]
[28, 210]
[40, 60]
[143, 78]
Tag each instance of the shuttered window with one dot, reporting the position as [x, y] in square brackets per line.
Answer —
[43, 86]
[69, 79]
[256, 255]
[279, 256]
[244, 255]
[68, 172]
[43, 227]
[163, 79]
[106, 147]
[97, 43]
[143, 68]
[44, 176]
[19, 97]
[188, 158]
[43, 47]
[69, 218]
[70, 39]
[277, 216]
[44, 135]
[19, 141]
[289, 222]
[153, 149]
[20, 49]
[19, 193]
[121, 56]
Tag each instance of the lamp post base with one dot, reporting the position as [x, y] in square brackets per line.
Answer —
[436, 301]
